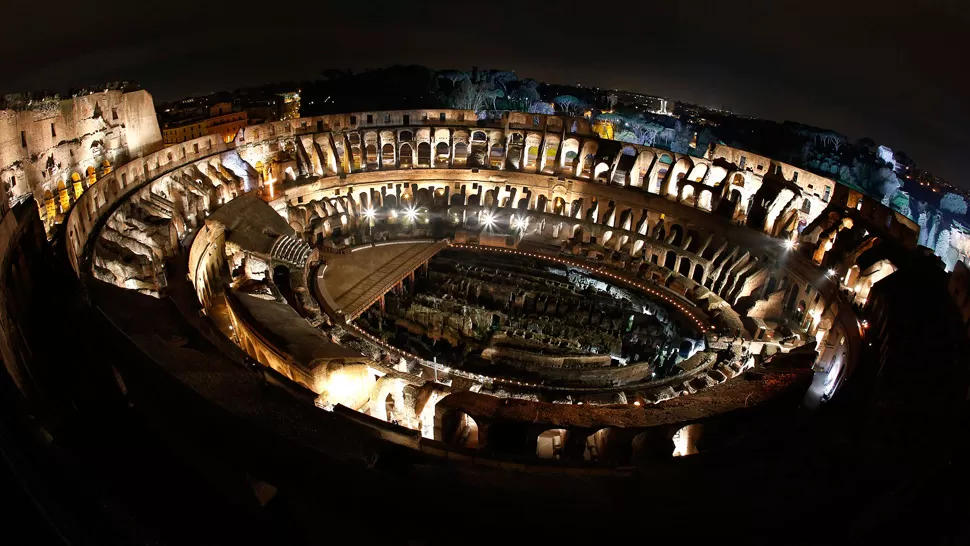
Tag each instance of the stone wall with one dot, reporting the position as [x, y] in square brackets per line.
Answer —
[54, 149]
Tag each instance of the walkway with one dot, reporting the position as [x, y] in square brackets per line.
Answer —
[355, 281]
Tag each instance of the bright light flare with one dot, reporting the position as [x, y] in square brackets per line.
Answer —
[411, 213]
[488, 220]
[790, 245]
[369, 214]
[831, 273]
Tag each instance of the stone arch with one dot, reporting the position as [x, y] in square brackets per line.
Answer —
[677, 173]
[676, 235]
[670, 260]
[541, 203]
[586, 159]
[461, 154]
[559, 206]
[640, 173]
[550, 444]
[407, 155]
[548, 164]
[698, 275]
[659, 172]
[598, 445]
[387, 155]
[442, 154]
[698, 172]
[704, 200]
[686, 193]
[651, 445]
[570, 154]
[771, 286]
[684, 267]
[370, 155]
[496, 155]
[637, 246]
[64, 198]
[601, 171]
[424, 154]
[686, 440]
[457, 428]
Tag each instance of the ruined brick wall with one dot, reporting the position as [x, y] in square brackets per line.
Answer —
[47, 142]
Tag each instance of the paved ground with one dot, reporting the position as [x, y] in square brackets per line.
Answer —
[354, 281]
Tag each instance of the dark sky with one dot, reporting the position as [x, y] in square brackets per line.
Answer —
[894, 71]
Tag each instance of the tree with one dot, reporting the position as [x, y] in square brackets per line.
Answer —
[523, 96]
[568, 103]
[454, 76]
[492, 95]
[468, 95]
[954, 203]
[943, 244]
[683, 133]
[502, 78]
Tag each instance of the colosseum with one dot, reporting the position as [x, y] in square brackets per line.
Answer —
[443, 322]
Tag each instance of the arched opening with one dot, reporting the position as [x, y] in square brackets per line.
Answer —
[459, 429]
[597, 445]
[406, 156]
[637, 246]
[698, 275]
[390, 408]
[531, 156]
[559, 206]
[50, 205]
[792, 297]
[496, 156]
[670, 261]
[549, 444]
[660, 172]
[569, 160]
[65, 198]
[281, 278]
[77, 185]
[684, 268]
[424, 154]
[686, 439]
[387, 153]
[587, 166]
[771, 286]
[461, 154]
[371, 155]
[676, 235]
[442, 153]
[92, 176]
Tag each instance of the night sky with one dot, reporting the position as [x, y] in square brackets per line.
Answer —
[894, 71]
